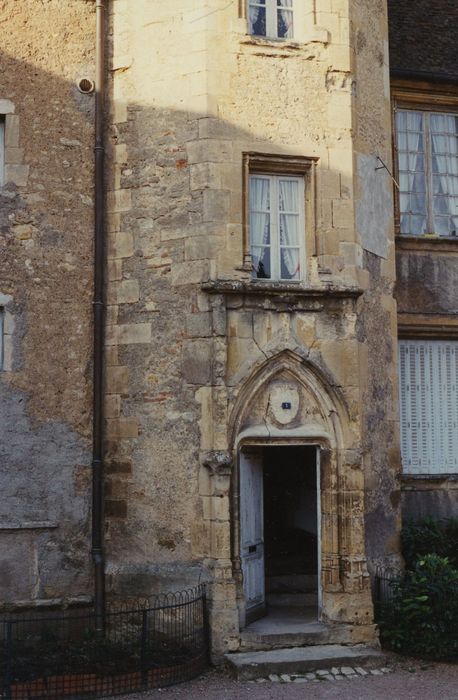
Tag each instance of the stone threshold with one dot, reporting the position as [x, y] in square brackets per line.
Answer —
[302, 660]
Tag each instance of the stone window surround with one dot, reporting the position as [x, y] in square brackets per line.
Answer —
[423, 96]
[278, 164]
[14, 170]
[7, 331]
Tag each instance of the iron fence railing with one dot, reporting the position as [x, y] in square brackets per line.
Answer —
[384, 584]
[145, 644]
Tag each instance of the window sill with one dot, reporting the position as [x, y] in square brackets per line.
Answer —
[436, 243]
[414, 480]
[282, 47]
[280, 289]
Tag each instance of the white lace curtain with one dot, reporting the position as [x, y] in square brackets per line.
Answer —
[264, 15]
[289, 234]
[260, 224]
[444, 143]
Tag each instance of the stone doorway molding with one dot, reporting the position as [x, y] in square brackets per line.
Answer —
[289, 401]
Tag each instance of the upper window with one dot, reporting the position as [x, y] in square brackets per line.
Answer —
[427, 144]
[271, 18]
[277, 226]
[428, 372]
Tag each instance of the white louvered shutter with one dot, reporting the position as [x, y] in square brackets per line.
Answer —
[428, 406]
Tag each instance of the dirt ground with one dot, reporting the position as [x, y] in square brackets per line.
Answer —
[409, 681]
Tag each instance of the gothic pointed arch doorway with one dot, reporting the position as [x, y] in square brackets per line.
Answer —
[297, 502]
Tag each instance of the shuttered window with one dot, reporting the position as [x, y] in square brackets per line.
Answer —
[428, 373]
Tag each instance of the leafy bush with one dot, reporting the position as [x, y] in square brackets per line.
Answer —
[422, 617]
[428, 536]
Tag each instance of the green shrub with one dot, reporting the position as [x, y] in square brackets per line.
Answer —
[422, 617]
[428, 536]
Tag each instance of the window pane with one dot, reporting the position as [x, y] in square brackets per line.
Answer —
[261, 262]
[259, 193]
[401, 121]
[444, 150]
[285, 24]
[414, 121]
[290, 266]
[442, 225]
[288, 196]
[289, 229]
[417, 225]
[260, 229]
[257, 20]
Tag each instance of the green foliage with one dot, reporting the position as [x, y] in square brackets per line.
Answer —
[428, 536]
[422, 617]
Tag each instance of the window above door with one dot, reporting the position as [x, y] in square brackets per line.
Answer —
[273, 19]
[277, 226]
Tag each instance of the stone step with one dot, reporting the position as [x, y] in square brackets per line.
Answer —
[292, 600]
[267, 633]
[294, 583]
[260, 664]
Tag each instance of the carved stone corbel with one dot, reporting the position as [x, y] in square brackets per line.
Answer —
[219, 462]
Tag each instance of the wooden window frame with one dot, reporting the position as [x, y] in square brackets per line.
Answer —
[425, 97]
[288, 166]
[271, 19]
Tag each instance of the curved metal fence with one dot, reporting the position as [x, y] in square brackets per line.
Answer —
[145, 644]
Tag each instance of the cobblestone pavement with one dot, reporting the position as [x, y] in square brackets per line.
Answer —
[397, 681]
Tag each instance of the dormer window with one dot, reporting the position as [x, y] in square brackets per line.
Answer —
[271, 18]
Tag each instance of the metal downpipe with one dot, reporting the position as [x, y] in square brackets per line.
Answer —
[99, 322]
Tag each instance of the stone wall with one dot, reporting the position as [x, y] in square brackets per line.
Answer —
[376, 327]
[45, 290]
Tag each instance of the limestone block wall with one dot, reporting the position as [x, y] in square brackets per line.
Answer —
[45, 293]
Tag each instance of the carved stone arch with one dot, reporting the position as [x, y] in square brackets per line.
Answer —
[289, 367]
[317, 414]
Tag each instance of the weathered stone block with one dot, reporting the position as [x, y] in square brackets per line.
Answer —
[128, 292]
[119, 200]
[122, 428]
[133, 333]
[115, 509]
[120, 245]
[199, 325]
[216, 205]
[17, 174]
[117, 380]
[14, 156]
[12, 130]
[197, 361]
[189, 272]
[6, 107]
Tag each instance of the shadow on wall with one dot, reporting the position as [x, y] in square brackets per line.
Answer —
[153, 434]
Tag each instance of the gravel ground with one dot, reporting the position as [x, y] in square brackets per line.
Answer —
[408, 681]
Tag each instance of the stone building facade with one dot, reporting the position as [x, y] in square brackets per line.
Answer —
[251, 368]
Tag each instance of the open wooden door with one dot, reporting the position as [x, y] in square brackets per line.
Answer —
[252, 532]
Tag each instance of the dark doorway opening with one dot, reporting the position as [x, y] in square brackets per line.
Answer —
[291, 525]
